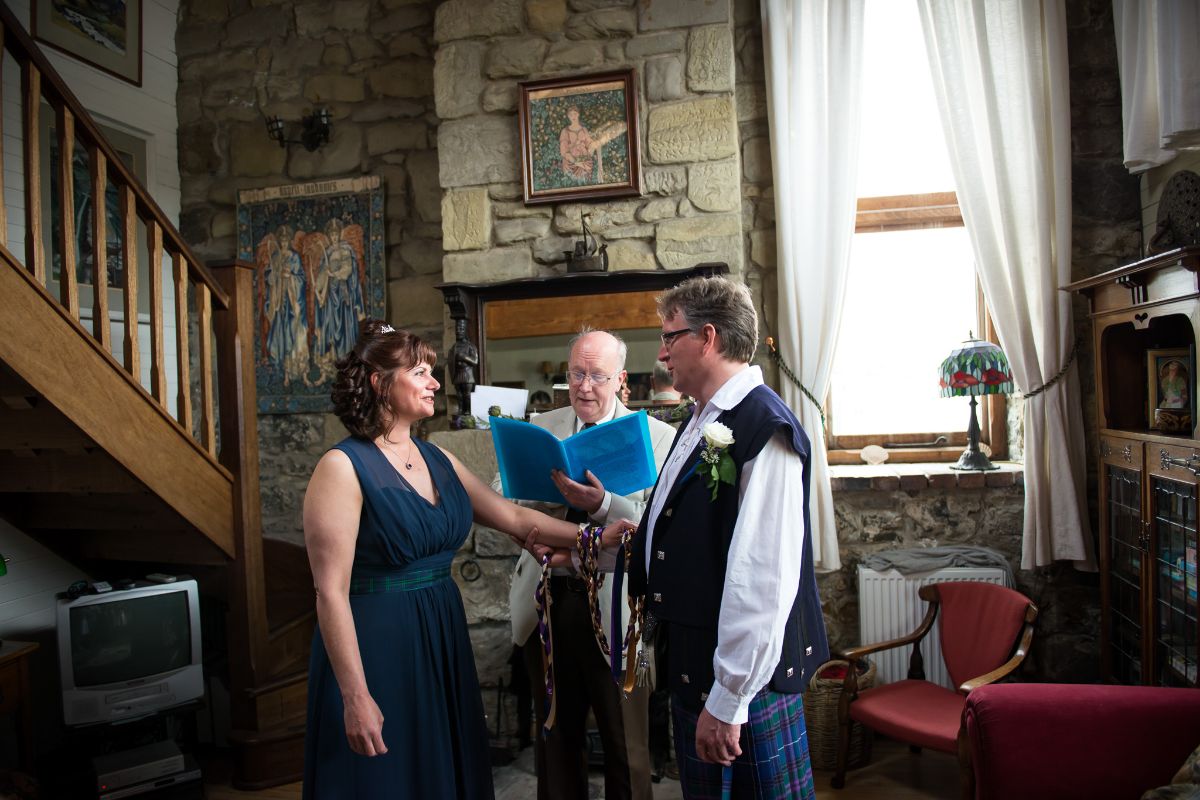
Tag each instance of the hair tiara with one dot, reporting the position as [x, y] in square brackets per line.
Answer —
[386, 329]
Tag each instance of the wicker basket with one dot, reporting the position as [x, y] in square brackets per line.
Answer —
[821, 718]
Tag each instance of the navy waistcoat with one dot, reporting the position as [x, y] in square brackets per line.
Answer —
[689, 554]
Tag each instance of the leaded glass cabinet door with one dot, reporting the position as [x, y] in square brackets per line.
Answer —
[1123, 555]
[1174, 628]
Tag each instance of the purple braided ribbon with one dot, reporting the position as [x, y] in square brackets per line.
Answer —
[543, 599]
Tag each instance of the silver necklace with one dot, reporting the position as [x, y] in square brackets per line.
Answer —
[406, 461]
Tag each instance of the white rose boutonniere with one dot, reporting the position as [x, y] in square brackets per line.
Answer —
[718, 463]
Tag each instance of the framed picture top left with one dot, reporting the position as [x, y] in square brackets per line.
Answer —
[106, 34]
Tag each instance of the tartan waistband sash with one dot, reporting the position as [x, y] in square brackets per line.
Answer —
[403, 580]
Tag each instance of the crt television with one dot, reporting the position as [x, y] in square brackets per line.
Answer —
[129, 652]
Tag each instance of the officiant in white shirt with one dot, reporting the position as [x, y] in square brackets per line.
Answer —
[583, 679]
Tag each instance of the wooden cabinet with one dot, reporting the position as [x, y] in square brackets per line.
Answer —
[1144, 315]
[15, 698]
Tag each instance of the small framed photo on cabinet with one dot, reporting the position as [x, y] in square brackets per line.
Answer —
[1171, 382]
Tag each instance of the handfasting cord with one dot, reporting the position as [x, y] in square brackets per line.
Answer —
[543, 600]
[589, 543]
[635, 674]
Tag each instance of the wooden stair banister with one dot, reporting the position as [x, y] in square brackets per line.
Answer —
[66, 367]
[205, 490]
[239, 452]
[76, 129]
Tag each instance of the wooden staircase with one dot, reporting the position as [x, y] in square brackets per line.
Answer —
[102, 468]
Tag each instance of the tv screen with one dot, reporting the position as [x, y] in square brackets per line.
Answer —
[128, 639]
[130, 652]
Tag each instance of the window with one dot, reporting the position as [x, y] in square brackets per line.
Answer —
[911, 294]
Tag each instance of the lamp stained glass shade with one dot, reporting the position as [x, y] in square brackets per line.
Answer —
[978, 367]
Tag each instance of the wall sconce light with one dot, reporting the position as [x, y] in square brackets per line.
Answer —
[314, 130]
[547, 370]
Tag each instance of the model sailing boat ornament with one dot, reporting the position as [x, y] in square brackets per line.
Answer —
[589, 255]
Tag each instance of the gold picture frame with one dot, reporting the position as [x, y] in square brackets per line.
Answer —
[579, 137]
[1170, 389]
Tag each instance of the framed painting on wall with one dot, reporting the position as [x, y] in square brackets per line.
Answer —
[579, 137]
[132, 151]
[107, 35]
[318, 254]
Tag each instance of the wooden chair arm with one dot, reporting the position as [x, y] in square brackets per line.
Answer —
[855, 653]
[1007, 667]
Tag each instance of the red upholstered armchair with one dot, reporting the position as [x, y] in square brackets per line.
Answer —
[986, 630]
[1048, 741]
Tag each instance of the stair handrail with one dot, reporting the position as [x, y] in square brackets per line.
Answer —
[28, 51]
[224, 313]
[41, 81]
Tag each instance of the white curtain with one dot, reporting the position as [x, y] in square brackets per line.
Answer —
[813, 51]
[1000, 75]
[1158, 51]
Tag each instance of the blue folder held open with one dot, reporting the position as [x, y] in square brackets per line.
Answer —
[617, 452]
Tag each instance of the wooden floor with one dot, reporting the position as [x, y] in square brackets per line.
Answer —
[896, 774]
[893, 774]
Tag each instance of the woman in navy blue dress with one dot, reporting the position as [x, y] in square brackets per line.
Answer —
[394, 708]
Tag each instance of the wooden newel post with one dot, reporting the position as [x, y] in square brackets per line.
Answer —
[247, 622]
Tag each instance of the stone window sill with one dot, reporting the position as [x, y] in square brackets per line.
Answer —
[915, 477]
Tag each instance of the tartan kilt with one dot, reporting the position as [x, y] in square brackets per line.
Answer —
[774, 764]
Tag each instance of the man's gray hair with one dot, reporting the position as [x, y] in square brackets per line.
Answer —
[662, 376]
[622, 348]
[719, 302]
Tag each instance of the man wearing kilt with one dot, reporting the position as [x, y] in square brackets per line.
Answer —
[723, 558]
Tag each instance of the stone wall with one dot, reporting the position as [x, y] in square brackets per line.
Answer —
[1106, 219]
[483, 570]
[683, 54]
[758, 198]
[371, 63]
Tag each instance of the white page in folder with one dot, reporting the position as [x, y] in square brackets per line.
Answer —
[512, 402]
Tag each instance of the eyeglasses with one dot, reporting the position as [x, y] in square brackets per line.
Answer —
[669, 337]
[597, 378]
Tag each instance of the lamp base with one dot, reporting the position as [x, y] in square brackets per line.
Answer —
[973, 460]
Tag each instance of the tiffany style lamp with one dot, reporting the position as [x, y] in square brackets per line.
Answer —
[976, 368]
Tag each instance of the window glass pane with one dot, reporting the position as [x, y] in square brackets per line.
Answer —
[910, 301]
[902, 149]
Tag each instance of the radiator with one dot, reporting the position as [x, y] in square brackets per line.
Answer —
[888, 608]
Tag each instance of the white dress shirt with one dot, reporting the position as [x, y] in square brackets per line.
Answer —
[762, 573]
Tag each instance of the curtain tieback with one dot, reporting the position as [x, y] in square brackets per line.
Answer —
[1058, 375]
[777, 357]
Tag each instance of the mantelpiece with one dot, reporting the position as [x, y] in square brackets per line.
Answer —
[529, 307]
